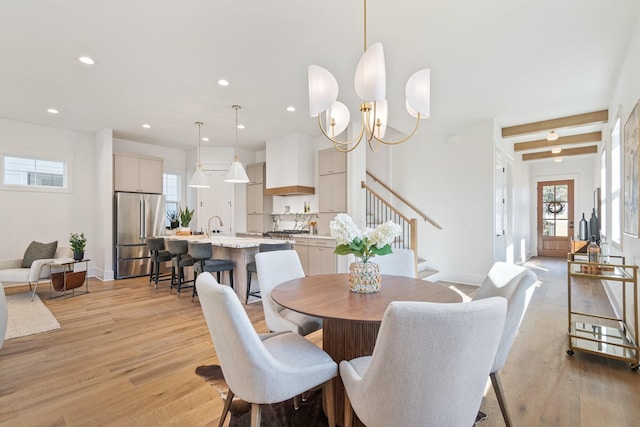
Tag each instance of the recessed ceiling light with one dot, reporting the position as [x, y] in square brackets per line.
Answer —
[86, 60]
[205, 139]
[52, 111]
[556, 150]
[223, 82]
[291, 108]
[552, 136]
[240, 126]
[146, 126]
[557, 159]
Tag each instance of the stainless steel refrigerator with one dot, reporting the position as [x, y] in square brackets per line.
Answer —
[137, 216]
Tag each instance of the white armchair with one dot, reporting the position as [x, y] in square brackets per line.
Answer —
[401, 262]
[274, 268]
[261, 369]
[516, 285]
[11, 270]
[429, 366]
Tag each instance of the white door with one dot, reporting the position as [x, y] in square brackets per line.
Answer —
[216, 200]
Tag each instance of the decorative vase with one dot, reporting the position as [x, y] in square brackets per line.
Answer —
[78, 256]
[364, 277]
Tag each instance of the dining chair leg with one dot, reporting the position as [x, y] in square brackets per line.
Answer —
[348, 412]
[255, 415]
[497, 387]
[225, 409]
[329, 402]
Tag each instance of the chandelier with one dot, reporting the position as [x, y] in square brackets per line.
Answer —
[370, 86]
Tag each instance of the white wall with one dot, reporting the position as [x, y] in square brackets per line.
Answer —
[452, 183]
[626, 94]
[47, 216]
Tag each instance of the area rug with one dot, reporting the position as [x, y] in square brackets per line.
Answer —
[28, 317]
[309, 413]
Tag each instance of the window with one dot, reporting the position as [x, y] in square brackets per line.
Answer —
[616, 182]
[171, 191]
[32, 172]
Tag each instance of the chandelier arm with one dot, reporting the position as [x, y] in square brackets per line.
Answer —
[337, 143]
[405, 139]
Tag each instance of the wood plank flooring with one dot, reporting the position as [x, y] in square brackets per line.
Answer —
[126, 355]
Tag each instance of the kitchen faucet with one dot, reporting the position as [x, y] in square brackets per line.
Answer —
[209, 224]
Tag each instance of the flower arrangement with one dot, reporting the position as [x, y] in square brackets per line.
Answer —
[363, 244]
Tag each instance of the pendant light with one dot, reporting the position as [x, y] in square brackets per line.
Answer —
[199, 179]
[236, 174]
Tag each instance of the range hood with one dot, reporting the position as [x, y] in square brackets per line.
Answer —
[290, 165]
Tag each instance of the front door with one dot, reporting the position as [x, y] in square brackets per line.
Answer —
[555, 217]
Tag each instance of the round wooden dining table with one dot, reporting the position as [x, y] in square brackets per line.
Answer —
[350, 320]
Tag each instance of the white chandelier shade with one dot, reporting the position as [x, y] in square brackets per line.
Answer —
[337, 116]
[199, 179]
[236, 173]
[323, 90]
[418, 92]
[371, 76]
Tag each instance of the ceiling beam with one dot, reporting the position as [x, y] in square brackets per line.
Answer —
[563, 140]
[562, 122]
[568, 152]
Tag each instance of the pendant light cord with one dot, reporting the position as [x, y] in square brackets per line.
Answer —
[235, 146]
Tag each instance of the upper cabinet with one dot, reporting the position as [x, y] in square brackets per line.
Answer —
[331, 161]
[137, 174]
[255, 173]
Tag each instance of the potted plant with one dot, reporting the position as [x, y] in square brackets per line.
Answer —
[185, 216]
[174, 219]
[78, 243]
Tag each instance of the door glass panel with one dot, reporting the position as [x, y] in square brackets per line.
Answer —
[555, 214]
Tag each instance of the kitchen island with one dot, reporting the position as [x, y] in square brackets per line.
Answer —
[240, 250]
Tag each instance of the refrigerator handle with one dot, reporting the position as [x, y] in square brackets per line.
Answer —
[142, 215]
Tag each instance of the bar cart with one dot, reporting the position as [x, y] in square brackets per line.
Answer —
[614, 337]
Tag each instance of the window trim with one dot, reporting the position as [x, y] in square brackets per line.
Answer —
[66, 160]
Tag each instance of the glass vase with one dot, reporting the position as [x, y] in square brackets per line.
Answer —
[364, 277]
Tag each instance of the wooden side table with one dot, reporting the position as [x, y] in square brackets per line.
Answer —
[68, 280]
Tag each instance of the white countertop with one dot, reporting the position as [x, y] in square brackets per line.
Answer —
[228, 241]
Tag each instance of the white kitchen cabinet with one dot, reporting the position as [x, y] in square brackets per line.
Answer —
[316, 255]
[322, 260]
[332, 193]
[137, 174]
[256, 173]
[301, 246]
[259, 206]
[331, 161]
[255, 199]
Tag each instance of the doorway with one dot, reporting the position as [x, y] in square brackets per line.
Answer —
[555, 217]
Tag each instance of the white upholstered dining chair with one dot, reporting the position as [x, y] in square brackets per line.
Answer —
[516, 285]
[400, 262]
[274, 268]
[429, 365]
[261, 369]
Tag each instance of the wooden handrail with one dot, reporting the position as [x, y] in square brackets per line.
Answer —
[403, 200]
[396, 211]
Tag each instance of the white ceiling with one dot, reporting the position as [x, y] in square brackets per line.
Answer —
[158, 61]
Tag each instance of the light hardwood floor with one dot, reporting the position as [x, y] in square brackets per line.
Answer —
[126, 356]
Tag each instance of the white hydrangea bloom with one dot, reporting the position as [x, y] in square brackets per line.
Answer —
[344, 229]
[384, 234]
